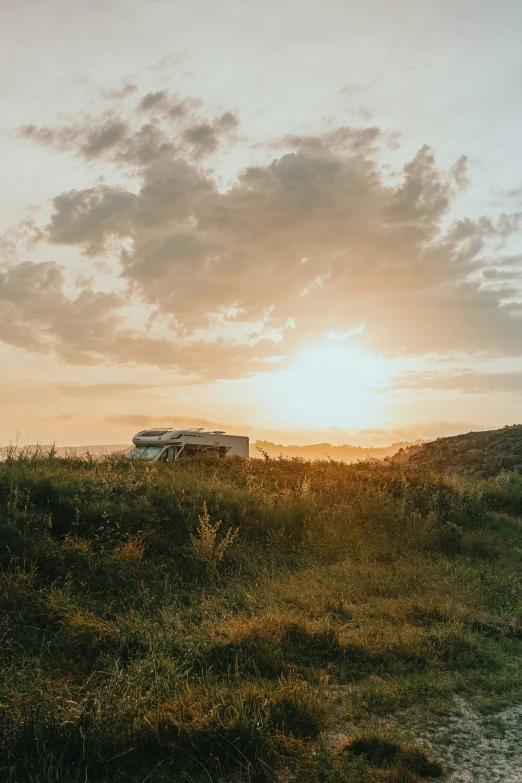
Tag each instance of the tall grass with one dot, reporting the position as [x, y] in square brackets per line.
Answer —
[218, 619]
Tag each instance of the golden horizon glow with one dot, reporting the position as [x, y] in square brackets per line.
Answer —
[179, 244]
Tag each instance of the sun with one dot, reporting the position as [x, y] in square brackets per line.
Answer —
[329, 384]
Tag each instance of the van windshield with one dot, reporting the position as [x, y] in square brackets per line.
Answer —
[144, 452]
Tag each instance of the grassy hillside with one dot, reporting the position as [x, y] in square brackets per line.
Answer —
[248, 620]
[481, 454]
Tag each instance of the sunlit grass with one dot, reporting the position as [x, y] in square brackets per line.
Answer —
[222, 619]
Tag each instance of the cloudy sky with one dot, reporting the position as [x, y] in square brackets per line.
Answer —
[299, 220]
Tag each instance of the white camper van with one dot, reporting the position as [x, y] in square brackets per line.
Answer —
[166, 444]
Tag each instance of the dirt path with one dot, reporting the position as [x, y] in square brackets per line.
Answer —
[474, 748]
[477, 748]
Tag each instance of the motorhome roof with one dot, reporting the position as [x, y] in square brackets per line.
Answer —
[158, 431]
[193, 430]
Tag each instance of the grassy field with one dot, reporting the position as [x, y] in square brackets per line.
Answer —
[249, 620]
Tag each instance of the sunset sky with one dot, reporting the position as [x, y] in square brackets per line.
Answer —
[294, 220]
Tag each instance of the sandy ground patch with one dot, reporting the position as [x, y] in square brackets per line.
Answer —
[478, 748]
[475, 748]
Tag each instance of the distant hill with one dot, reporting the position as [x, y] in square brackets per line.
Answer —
[473, 454]
[313, 451]
[326, 450]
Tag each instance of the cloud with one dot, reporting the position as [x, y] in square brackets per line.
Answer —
[104, 138]
[496, 275]
[89, 216]
[384, 248]
[63, 136]
[152, 99]
[335, 141]
[36, 315]
[23, 234]
[459, 171]
[140, 420]
[423, 430]
[169, 61]
[101, 390]
[124, 91]
[465, 382]
[516, 193]
[202, 137]
[171, 124]
[205, 137]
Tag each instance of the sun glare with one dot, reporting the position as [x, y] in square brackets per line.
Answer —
[329, 384]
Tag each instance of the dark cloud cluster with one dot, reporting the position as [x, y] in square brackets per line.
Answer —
[320, 236]
[160, 125]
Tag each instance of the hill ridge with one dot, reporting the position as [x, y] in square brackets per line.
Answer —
[483, 453]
